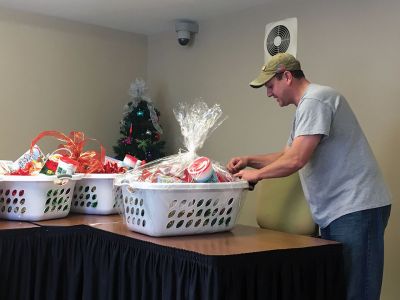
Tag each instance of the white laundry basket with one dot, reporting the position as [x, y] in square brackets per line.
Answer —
[35, 198]
[94, 194]
[167, 209]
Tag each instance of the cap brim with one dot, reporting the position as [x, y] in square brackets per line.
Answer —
[261, 80]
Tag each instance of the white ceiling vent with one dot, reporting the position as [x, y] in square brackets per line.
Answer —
[281, 37]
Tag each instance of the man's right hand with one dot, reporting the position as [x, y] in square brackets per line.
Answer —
[236, 164]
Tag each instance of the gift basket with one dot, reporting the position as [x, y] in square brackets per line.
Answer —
[94, 192]
[35, 198]
[39, 187]
[184, 193]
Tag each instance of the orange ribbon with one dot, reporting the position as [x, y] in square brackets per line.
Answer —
[89, 161]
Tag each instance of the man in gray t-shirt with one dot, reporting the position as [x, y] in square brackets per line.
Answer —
[340, 176]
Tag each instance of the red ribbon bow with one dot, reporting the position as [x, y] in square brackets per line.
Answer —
[89, 161]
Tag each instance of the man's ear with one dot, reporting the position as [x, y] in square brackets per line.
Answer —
[288, 76]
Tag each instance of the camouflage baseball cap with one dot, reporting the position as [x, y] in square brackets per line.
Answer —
[278, 63]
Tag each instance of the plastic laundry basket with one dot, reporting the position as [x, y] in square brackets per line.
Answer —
[94, 194]
[35, 198]
[159, 209]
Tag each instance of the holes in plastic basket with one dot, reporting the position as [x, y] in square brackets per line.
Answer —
[228, 220]
[214, 212]
[170, 224]
[230, 201]
[191, 202]
[200, 203]
[171, 214]
[182, 204]
[208, 202]
[179, 224]
[205, 223]
[213, 222]
[229, 210]
[86, 195]
[189, 223]
[190, 213]
[21, 193]
[199, 212]
[197, 223]
[173, 203]
[23, 210]
[13, 193]
[181, 213]
[221, 221]
[207, 213]
[7, 192]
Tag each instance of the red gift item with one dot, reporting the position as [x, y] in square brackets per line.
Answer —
[221, 177]
[25, 171]
[112, 168]
[89, 161]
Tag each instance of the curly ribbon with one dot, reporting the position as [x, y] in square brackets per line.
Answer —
[89, 161]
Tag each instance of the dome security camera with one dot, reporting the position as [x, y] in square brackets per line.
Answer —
[185, 30]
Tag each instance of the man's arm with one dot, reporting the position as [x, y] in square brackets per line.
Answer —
[292, 159]
[254, 161]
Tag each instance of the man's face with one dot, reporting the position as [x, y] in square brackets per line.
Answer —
[278, 89]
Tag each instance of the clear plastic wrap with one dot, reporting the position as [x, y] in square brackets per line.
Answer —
[183, 193]
[197, 122]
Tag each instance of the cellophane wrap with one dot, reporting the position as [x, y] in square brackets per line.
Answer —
[197, 122]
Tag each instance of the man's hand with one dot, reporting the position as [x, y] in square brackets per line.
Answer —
[236, 164]
[252, 176]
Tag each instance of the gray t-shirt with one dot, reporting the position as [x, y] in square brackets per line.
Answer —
[342, 175]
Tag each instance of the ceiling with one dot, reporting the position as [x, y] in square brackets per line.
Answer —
[139, 16]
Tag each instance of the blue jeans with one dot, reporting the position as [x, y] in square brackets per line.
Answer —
[361, 234]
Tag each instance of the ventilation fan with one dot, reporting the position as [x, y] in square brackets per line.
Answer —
[281, 37]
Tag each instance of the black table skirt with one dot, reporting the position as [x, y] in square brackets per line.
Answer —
[81, 262]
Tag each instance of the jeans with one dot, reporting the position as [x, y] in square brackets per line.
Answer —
[361, 234]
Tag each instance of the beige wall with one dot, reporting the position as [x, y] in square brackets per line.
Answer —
[350, 45]
[59, 75]
[67, 76]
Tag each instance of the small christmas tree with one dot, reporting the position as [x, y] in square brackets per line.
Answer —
[139, 127]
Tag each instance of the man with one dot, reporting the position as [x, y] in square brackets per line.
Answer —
[339, 174]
